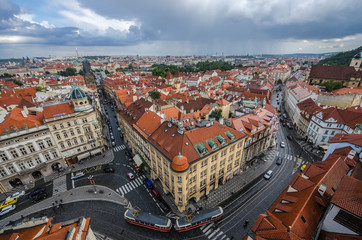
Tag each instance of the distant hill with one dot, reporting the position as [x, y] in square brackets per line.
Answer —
[341, 59]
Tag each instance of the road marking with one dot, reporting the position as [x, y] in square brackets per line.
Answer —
[223, 237]
[212, 234]
[124, 189]
[218, 235]
[138, 180]
[131, 184]
[207, 228]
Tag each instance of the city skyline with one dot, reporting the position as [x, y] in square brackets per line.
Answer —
[43, 28]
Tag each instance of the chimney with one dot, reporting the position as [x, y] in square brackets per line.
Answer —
[322, 189]
[25, 115]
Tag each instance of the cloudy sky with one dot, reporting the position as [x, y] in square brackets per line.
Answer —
[177, 27]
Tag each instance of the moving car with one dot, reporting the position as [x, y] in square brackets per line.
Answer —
[148, 183]
[282, 144]
[7, 209]
[130, 176]
[113, 144]
[268, 174]
[36, 192]
[290, 137]
[78, 175]
[108, 170]
[39, 197]
[279, 161]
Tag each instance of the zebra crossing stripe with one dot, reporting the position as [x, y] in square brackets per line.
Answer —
[207, 228]
[203, 227]
[124, 189]
[131, 184]
[120, 190]
[117, 190]
[218, 235]
[212, 234]
[208, 232]
[138, 181]
[223, 237]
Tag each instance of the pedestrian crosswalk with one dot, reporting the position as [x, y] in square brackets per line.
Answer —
[288, 157]
[119, 148]
[130, 186]
[213, 232]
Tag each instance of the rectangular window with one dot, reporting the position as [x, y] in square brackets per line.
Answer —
[30, 163]
[62, 145]
[31, 148]
[326, 132]
[90, 137]
[213, 158]
[11, 169]
[54, 127]
[179, 179]
[21, 166]
[87, 129]
[49, 143]
[84, 120]
[69, 143]
[68, 123]
[65, 135]
[85, 147]
[58, 136]
[55, 154]
[41, 145]
[61, 125]
[229, 167]
[180, 199]
[232, 148]
[3, 157]
[2, 172]
[14, 153]
[93, 145]
[37, 160]
[47, 156]
[75, 122]
[23, 151]
[180, 190]
[81, 140]
[71, 133]
[222, 162]
[78, 131]
[231, 157]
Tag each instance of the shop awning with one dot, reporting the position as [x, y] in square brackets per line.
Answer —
[137, 160]
[83, 155]
[96, 151]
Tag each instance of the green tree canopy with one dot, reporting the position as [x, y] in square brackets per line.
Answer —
[18, 83]
[216, 114]
[69, 71]
[341, 59]
[331, 86]
[154, 95]
[159, 72]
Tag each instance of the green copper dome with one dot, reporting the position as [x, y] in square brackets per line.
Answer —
[77, 93]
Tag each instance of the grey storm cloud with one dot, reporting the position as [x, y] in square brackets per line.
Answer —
[219, 25]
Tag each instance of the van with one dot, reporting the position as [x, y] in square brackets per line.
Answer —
[78, 175]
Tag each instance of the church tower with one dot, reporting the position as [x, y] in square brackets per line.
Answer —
[356, 61]
[80, 99]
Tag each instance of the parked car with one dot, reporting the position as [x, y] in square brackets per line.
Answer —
[78, 175]
[302, 167]
[130, 176]
[155, 193]
[148, 183]
[163, 205]
[36, 192]
[39, 197]
[290, 137]
[16, 195]
[7, 209]
[8, 202]
[108, 170]
[279, 161]
[282, 144]
[268, 174]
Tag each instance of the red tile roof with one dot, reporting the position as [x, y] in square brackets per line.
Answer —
[332, 72]
[16, 119]
[58, 110]
[350, 138]
[148, 123]
[349, 195]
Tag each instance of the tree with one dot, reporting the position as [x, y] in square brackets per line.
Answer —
[331, 86]
[106, 71]
[47, 72]
[81, 72]
[39, 89]
[18, 83]
[159, 72]
[154, 95]
[279, 81]
[216, 114]
[69, 71]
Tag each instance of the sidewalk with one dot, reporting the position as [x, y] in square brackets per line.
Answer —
[84, 193]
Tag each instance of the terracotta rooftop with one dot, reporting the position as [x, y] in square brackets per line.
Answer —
[332, 72]
[350, 138]
[349, 195]
[148, 123]
[195, 105]
[58, 110]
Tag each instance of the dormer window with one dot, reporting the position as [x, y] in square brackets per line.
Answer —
[201, 149]
[230, 135]
[212, 144]
[221, 140]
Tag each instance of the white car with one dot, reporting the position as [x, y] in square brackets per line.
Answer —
[16, 195]
[78, 175]
[268, 174]
[7, 209]
[282, 144]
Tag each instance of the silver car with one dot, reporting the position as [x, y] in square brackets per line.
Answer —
[268, 174]
[7, 209]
